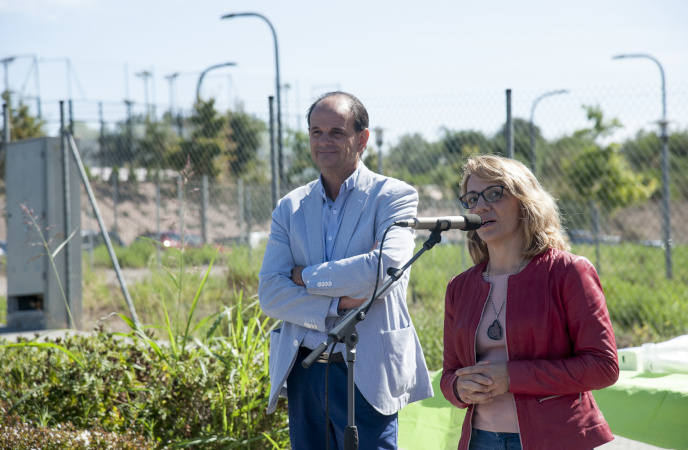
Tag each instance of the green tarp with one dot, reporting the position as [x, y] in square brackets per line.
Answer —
[645, 407]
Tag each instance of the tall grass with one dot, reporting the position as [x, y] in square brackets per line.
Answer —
[187, 379]
[644, 306]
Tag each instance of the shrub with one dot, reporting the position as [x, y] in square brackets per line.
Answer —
[206, 387]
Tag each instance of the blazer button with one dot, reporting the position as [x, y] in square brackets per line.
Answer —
[296, 343]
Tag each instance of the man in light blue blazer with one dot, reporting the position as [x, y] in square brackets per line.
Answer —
[321, 260]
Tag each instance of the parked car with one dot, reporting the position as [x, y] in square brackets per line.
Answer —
[91, 239]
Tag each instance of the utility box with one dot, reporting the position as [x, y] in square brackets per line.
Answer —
[42, 201]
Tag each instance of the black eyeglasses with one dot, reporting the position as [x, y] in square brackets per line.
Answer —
[491, 194]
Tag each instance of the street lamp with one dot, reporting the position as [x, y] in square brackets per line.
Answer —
[378, 140]
[532, 125]
[277, 88]
[200, 79]
[664, 137]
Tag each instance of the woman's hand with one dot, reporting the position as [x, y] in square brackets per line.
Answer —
[472, 387]
[479, 383]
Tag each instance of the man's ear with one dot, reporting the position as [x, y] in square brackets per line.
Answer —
[362, 140]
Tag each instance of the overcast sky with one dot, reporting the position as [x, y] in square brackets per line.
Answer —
[374, 49]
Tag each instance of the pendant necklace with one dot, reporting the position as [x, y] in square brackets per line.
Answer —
[494, 332]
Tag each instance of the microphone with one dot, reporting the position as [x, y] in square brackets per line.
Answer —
[466, 223]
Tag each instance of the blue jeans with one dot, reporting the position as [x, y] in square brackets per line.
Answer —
[489, 440]
[306, 405]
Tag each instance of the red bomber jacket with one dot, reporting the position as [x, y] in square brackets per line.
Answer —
[560, 345]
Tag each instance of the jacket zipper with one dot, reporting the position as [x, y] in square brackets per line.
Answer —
[475, 359]
[549, 397]
[506, 345]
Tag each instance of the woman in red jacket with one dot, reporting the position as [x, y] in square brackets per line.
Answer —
[527, 334]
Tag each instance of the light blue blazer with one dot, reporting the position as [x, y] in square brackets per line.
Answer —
[390, 367]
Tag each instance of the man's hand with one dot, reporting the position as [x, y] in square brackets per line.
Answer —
[348, 302]
[296, 275]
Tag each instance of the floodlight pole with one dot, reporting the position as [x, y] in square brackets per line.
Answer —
[664, 138]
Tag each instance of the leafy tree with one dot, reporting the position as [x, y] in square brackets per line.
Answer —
[466, 143]
[604, 176]
[23, 125]
[301, 169]
[157, 145]
[521, 140]
[601, 176]
[600, 126]
[415, 160]
[206, 143]
[244, 137]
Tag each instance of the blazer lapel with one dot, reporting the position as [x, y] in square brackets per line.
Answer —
[352, 214]
[312, 209]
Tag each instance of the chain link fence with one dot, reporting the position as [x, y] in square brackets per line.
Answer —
[621, 182]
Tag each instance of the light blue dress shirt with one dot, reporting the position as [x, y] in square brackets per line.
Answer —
[331, 220]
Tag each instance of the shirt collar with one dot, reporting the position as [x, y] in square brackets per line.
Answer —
[348, 184]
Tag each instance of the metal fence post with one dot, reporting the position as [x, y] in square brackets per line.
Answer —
[67, 213]
[204, 208]
[240, 207]
[157, 217]
[180, 195]
[273, 163]
[115, 198]
[6, 135]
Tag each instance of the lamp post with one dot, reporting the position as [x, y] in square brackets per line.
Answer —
[277, 89]
[200, 79]
[378, 141]
[664, 137]
[532, 125]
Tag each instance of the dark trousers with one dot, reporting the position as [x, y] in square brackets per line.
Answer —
[306, 403]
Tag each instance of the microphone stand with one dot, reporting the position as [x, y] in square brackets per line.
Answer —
[345, 331]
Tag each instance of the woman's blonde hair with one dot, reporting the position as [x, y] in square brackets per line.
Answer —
[542, 224]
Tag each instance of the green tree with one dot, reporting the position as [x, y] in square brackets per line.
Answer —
[116, 146]
[466, 143]
[603, 175]
[207, 141]
[244, 138]
[301, 169]
[23, 125]
[600, 176]
[415, 160]
[157, 145]
[521, 140]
